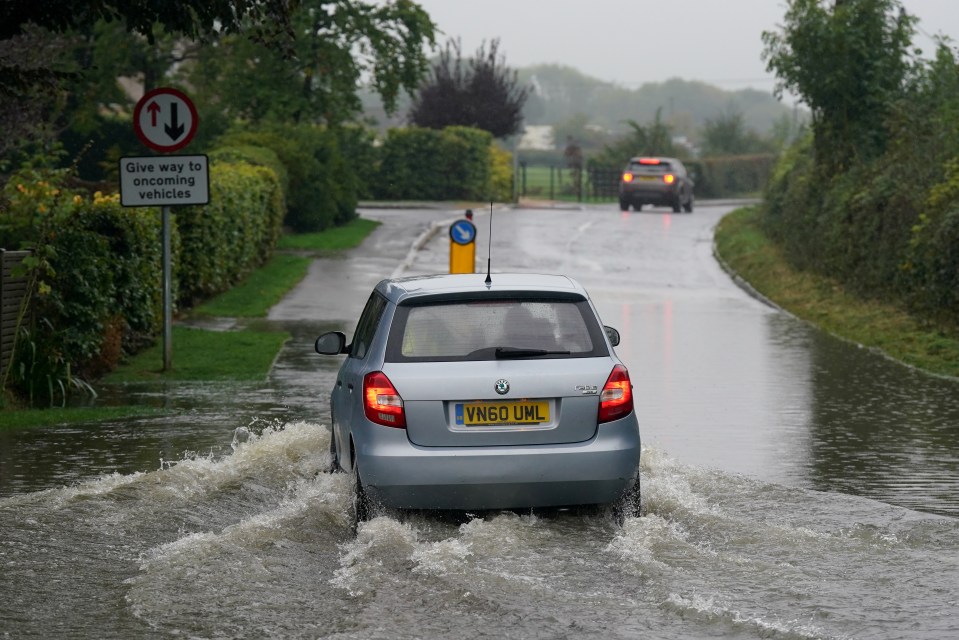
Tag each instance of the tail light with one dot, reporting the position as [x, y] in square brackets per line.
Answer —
[616, 400]
[669, 178]
[381, 403]
[627, 177]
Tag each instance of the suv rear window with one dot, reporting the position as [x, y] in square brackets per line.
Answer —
[468, 330]
[637, 167]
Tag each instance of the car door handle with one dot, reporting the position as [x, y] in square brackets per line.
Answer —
[350, 386]
[339, 383]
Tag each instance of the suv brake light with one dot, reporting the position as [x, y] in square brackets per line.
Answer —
[627, 177]
[616, 400]
[649, 161]
[669, 178]
[381, 403]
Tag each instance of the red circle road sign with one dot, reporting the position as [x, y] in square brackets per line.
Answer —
[165, 119]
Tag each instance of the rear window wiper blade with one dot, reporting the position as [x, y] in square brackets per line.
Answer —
[513, 352]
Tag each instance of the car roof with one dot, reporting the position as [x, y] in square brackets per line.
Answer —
[454, 285]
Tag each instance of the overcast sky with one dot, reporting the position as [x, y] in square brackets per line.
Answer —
[632, 42]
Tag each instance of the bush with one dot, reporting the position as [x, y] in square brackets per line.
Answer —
[96, 281]
[223, 241]
[322, 186]
[501, 174]
[729, 176]
[427, 164]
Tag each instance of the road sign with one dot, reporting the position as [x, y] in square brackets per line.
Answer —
[160, 181]
[165, 119]
[462, 247]
[462, 232]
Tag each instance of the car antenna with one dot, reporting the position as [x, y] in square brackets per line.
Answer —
[489, 247]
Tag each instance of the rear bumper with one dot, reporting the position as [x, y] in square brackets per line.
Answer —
[401, 475]
[661, 196]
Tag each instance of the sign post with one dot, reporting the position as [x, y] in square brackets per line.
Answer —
[165, 120]
[462, 247]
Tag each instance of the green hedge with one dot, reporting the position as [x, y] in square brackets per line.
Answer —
[730, 176]
[428, 164]
[886, 229]
[322, 187]
[223, 241]
[97, 267]
[97, 282]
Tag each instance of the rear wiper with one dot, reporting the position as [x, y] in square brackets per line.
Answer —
[513, 352]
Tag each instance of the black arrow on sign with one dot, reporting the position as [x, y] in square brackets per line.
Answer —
[174, 129]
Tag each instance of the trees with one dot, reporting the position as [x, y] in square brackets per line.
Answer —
[726, 134]
[848, 64]
[480, 92]
[337, 43]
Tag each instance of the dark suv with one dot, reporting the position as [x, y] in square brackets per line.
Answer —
[656, 181]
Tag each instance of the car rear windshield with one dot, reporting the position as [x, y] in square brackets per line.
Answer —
[636, 167]
[469, 330]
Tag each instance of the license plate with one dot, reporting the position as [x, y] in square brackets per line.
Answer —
[648, 178]
[501, 414]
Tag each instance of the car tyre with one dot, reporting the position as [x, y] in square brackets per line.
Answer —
[688, 207]
[623, 205]
[360, 508]
[678, 204]
[334, 465]
[630, 504]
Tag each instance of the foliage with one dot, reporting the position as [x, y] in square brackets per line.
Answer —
[223, 241]
[426, 164]
[654, 139]
[337, 43]
[95, 282]
[848, 63]
[501, 174]
[728, 176]
[322, 187]
[193, 18]
[727, 135]
[886, 227]
[481, 92]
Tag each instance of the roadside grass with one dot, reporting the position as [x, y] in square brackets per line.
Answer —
[340, 238]
[262, 289]
[201, 355]
[825, 303]
[26, 418]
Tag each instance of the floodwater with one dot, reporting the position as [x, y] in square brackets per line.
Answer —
[796, 486]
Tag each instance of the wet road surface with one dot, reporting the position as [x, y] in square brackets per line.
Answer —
[796, 486]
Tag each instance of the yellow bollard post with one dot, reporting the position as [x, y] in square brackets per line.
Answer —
[462, 247]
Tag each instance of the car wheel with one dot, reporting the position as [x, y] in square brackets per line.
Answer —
[638, 206]
[688, 207]
[359, 501]
[678, 204]
[630, 504]
[624, 205]
[334, 465]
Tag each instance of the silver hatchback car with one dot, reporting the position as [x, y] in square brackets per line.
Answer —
[458, 394]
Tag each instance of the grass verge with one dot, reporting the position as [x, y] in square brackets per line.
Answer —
[206, 355]
[262, 289]
[825, 303]
[340, 238]
[25, 418]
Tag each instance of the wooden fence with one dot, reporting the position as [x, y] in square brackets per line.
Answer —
[13, 289]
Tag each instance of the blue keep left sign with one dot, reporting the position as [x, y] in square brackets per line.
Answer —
[462, 232]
